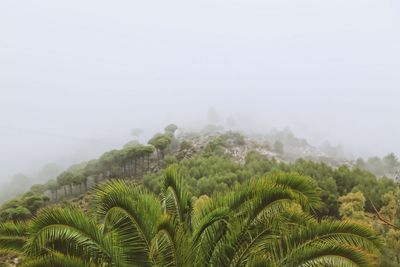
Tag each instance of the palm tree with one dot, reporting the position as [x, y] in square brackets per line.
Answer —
[264, 222]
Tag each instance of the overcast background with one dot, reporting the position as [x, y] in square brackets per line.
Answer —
[77, 76]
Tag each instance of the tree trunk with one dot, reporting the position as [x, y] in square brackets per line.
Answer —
[135, 167]
[158, 156]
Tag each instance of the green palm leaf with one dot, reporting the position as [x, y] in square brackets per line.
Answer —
[71, 232]
[13, 236]
[58, 260]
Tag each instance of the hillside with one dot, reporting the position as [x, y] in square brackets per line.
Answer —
[135, 160]
[214, 161]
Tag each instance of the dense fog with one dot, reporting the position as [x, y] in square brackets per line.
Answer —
[77, 76]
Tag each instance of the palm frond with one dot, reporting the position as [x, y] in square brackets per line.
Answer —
[165, 246]
[175, 197]
[331, 255]
[71, 232]
[359, 240]
[208, 233]
[58, 260]
[132, 214]
[13, 236]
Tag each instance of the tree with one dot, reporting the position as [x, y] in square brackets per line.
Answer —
[391, 163]
[92, 169]
[389, 215]
[38, 188]
[160, 142]
[391, 206]
[53, 186]
[352, 206]
[16, 214]
[133, 153]
[262, 223]
[33, 201]
[131, 144]
[376, 166]
[65, 179]
[148, 150]
[106, 162]
[23, 207]
[171, 129]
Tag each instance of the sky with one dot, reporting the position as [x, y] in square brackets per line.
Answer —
[77, 76]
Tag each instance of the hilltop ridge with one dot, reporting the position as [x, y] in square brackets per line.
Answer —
[137, 161]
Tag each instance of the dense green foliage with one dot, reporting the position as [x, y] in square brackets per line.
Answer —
[23, 207]
[387, 224]
[263, 222]
[212, 171]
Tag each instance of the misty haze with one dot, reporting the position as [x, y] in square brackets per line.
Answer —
[218, 96]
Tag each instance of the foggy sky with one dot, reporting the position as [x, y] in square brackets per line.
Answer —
[76, 76]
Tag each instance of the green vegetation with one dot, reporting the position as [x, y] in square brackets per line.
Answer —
[24, 207]
[387, 166]
[263, 222]
[207, 174]
[161, 142]
[210, 179]
[388, 225]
